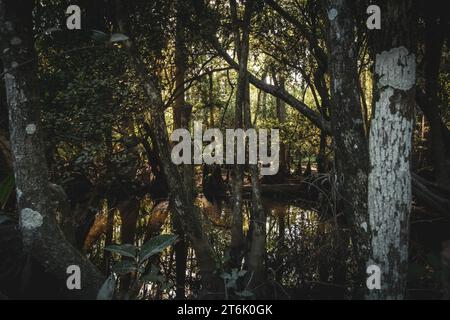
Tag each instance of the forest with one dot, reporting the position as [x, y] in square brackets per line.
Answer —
[224, 149]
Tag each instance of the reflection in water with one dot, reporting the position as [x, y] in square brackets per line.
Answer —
[305, 251]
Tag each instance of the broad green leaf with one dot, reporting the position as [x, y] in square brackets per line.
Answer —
[106, 291]
[117, 37]
[156, 245]
[153, 275]
[124, 267]
[126, 250]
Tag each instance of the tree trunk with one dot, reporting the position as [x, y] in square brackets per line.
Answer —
[283, 170]
[237, 244]
[42, 237]
[350, 143]
[434, 41]
[257, 252]
[181, 121]
[180, 203]
[390, 144]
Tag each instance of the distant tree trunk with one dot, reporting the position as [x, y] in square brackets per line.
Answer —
[129, 212]
[42, 238]
[321, 156]
[257, 251]
[260, 100]
[109, 233]
[350, 143]
[264, 105]
[181, 121]
[281, 248]
[434, 41]
[109, 203]
[237, 245]
[283, 170]
[390, 148]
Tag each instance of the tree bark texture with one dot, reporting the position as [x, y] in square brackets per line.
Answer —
[42, 237]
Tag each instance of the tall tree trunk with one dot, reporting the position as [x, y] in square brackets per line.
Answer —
[237, 245]
[281, 213]
[180, 202]
[257, 252]
[129, 212]
[42, 238]
[109, 234]
[181, 121]
[283, 170]
[434, 41]
[390, 145]
[350, 143]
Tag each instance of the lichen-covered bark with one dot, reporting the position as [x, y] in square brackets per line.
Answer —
[390, 179]
[42, 238]
[390, 143]
[347, 125]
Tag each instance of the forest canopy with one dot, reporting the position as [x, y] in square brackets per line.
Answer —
[224, 149]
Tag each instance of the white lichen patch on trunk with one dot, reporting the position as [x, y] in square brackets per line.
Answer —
[396, 68]
[389, 192]
[30, 128]
[19, 193]
[30, 219]
[332, 14]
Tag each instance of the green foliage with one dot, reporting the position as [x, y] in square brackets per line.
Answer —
[134, 262]
[106, 291]
[124, 267]
[126, 250]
